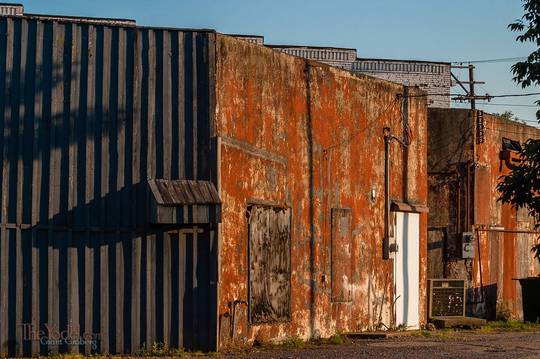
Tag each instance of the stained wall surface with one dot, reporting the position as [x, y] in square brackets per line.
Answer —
[301, 135]
[466, 159]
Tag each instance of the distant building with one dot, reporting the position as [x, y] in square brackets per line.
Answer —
[18, 10]
[433, 77]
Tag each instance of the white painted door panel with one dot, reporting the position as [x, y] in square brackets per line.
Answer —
[407, 269]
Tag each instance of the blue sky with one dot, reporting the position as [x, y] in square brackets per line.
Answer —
[458, 30]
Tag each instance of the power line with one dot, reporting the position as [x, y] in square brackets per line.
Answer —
[504, 59]
[505, 104]
[513, 132]
[518, 95]
[465, 96]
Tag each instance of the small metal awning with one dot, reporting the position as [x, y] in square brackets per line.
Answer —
[184, 202]
[398, 206]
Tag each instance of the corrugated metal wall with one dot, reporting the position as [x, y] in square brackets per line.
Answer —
[88, 114]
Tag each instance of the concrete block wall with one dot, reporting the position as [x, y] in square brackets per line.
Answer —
[337, 57]
[432, 77]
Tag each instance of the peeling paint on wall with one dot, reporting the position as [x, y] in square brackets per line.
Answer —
[505, 237]
[317, 133]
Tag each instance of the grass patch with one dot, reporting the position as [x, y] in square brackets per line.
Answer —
[422, 334]
[293, 343]
[337, 339]
[158, 350]
[510, 325]
[163, 350]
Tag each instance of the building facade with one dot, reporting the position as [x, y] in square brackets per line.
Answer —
[187, 188]
[303, 154]
[468, 152]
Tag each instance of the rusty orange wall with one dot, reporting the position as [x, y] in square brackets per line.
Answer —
[310, 137]
[454, 142]
[514, 248]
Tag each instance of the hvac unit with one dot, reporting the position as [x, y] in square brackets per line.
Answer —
[446, 298]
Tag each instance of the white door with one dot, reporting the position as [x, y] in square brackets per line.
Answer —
[407, 269]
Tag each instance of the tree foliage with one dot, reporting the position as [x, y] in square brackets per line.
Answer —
[521, 187]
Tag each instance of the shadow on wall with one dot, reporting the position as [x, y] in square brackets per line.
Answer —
[124, 286]
[89, 114]
[484, 303]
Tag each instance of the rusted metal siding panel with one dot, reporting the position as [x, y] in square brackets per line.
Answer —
[88, 114]
[310, 139]
[500, 257]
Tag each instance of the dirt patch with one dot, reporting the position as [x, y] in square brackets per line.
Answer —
[459, 344]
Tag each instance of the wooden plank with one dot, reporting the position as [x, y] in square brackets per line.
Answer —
[167, 115]
[19, 281]
[180, 101]
[7, 123]
[123, 215]
[80, 113]
[35, 287]
[75, 78]
[270, 265]
[195, 104]
[38, 117]
[53, 315]
[19, 269]
[104, 293]
[136, 158]
[105, 130]
[151, 159]
[136, 294]
[89, 308]
[120, 292]
[20, 110]
[73, 285]
[166, 308]
[151, 280]
[181, 285]
[4, 270]
[112, 204]
[158, 94]
[212, 93]
[6, 47]
[90, 123]
[56, 122]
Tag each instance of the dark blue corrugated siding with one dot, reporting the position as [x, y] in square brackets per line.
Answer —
[89, 113]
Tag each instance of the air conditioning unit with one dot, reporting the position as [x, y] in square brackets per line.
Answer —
[447, 297]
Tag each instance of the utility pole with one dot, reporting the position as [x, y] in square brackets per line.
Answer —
[471, 87]
[470, 94]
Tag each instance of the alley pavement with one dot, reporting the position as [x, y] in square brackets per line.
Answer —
[437, 345]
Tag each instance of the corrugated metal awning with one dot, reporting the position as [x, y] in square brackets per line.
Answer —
[184, 202]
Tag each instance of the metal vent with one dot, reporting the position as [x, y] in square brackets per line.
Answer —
[446, 298]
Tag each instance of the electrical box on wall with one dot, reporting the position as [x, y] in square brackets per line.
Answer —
[467, 244]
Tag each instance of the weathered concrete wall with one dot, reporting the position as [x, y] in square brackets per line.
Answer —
[504, 255]
[308, 137]
[465, 151]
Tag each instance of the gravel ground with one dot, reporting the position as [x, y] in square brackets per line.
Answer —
[448, 345]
